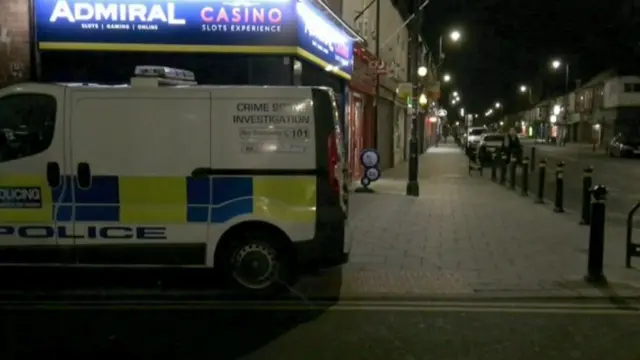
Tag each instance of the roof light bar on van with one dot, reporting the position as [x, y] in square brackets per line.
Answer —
[164, 72]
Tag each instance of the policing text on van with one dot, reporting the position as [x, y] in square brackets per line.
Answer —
[20, 197]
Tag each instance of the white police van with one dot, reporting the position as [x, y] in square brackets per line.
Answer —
[163, 171]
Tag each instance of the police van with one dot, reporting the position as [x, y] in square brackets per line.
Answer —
[250, 180]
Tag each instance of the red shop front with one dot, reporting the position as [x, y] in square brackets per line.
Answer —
[360, 109]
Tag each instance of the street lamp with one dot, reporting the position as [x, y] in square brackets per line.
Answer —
[422, 71]
[455, 35]
[446, 78]
[461, 111]
[557, 64]
[422, 100]
[524, 89]
[498, 105]
[455, 94]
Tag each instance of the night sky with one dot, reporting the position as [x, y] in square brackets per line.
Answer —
[511, 42]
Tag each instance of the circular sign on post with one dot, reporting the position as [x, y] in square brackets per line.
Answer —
[369, 158]
[365, 181]
[442, 112]
[372, 174]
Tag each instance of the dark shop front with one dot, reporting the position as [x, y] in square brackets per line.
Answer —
[254, 42]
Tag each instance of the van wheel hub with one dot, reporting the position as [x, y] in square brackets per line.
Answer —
[255, 266]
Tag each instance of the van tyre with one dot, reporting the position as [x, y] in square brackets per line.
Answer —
[257, 267]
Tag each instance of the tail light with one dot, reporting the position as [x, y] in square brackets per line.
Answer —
[333, 163]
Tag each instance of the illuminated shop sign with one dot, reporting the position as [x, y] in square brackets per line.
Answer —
[322, 38]
[240, 26]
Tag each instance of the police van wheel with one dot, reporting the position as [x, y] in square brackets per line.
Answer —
[258, 266]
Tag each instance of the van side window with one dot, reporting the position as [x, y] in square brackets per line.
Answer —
[27, 123]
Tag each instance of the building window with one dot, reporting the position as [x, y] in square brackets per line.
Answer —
[588, 99]
[632, 87]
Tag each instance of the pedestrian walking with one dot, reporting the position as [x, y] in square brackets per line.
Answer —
[511, 145]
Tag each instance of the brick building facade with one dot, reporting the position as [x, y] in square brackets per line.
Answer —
[14, 41]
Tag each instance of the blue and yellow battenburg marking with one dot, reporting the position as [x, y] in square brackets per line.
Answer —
[168, 200]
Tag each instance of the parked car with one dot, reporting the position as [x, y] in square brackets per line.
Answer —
[490, 143]
[624, 146]
[474, 135]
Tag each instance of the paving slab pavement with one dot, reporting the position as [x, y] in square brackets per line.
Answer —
[467, 235]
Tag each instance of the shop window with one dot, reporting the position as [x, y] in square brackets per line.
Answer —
[27, 123]
[218, 69]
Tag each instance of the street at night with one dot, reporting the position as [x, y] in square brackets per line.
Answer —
[452, 329]
[297, 180]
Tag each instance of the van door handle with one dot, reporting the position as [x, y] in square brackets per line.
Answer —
[53, 174]
[84, 175]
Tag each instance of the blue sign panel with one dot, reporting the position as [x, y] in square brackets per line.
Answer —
[321, 38]
[156, 22]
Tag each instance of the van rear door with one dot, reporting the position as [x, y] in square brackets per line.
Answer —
[332, 187]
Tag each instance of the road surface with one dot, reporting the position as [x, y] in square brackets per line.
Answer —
[514, 329]
[621, 176]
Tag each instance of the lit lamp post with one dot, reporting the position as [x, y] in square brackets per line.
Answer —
[423, 100]
[446, 78]
[498, 107]
[524, 89]
[413, 188]
[455, 36]
[556, 65]
[422, 71]
[487, 114]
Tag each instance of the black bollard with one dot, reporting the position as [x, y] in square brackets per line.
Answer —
[512, 172]
[525, 176]
[503, 169]
[559, 203]
[533, 158]
[595, 262]
[587, 181]
[542, 171]
[493, 167]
